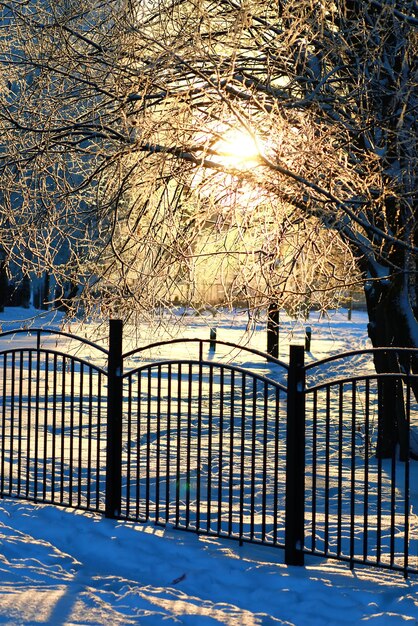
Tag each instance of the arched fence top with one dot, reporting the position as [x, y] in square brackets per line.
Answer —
[236, 369]
[37, 332]
[371, 351]
[207, 343]
[359, 378]
[76, 361]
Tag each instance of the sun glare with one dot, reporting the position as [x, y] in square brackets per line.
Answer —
[238, 149]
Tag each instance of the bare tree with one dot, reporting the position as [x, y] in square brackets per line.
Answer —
[110, 111]
[114, 173]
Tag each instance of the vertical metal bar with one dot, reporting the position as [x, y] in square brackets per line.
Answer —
[138, 477]
[221, 443]
[20, 424]
[407, 474]
[114, 422]
[128, 443]
[148, 445]
[178, 450]
[188, 442]
[45, 428]
[393, 508]
[314, 465]
[71, 442]
[231, 453]
[3, 424]
[242, 460]
[379, 509]
[264, 485]
[327, 467]
[89, 437]
[340, 466]
[99, 441]
[29, 424]
[158, 446]
[253, 456]
[366, 471]
[80, 435]
[54, 425]
[295, 458]
[353, 472]
[168, 446]
[12, 420]
[199, 444]
[276, 464]
[37, 391]
[210, 444]
[63, 426]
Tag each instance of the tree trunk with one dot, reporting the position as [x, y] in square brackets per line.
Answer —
[4, 285]
[26, 291]
[45, 292]
[273, 321]
[391, 324]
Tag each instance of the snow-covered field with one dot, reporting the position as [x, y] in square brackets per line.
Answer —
[59, 566]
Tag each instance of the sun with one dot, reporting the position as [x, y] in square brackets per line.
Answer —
[238, 149]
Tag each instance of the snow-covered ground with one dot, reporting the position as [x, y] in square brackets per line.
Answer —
[63, 567]
[60, 566]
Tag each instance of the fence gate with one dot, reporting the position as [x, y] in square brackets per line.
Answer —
[360, 504]
[53, 418]
[203, 442]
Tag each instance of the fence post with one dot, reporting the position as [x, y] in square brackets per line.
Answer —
[308, 338]
[295, 459]
[114, 422]
[212, 344]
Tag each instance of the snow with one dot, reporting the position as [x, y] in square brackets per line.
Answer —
[61, 566]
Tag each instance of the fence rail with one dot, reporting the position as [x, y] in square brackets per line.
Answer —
[244, 447]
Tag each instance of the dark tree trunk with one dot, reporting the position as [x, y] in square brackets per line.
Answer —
[391, 324]
[26, 291]
[273, 321]
[4, 286]
[45, 292]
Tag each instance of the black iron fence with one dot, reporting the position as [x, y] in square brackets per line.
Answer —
[361, 504]
[232, 443]
[53, 417]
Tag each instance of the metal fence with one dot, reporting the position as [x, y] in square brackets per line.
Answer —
[361, 505]
[233, 444]
[53, 416]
